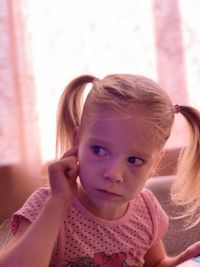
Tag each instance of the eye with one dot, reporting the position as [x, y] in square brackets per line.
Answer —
[98, 150]
[136, 161]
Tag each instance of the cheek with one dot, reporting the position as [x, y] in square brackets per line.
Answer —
[140, 173]
[146, 170]
[138, 178]
[82, 154]
[86, 166]
[84, 158]
[135, 186]
[137, 181]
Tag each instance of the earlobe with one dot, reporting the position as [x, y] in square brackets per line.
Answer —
[76, 137]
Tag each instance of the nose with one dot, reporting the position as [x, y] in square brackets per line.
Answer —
[114, 172]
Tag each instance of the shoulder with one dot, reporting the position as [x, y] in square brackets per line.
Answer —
[41, 191]
[147, 199]
[147, 205]
[31, 208]
[152, 212]
[37, 198]
[150, 199]
[152, 204]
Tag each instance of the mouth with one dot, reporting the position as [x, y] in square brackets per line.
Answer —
[108, 194]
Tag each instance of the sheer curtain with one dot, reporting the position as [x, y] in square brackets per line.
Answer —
[45, 44]
[19, 136]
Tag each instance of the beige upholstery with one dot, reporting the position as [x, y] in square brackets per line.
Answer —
[176, 239]
[5, 234]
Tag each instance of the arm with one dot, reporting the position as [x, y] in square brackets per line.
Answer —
[33, 244]
[156, 256]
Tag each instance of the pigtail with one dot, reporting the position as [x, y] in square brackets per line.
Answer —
[185, 189]
[69, 112]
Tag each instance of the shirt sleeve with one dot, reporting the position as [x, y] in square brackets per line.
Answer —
[159, 217]
[31, 208]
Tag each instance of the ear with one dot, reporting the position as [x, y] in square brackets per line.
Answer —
[76, 137]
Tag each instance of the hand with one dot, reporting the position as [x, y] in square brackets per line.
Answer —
[63, 174]
[191, 252]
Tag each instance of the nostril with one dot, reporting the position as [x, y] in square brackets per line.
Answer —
[113, 171]
[113, 178]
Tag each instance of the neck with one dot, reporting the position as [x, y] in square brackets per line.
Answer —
[101, 212]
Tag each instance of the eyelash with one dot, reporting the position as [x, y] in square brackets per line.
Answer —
[96, 150]
[141, 161]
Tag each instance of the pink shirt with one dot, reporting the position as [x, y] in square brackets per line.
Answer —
[86, 240]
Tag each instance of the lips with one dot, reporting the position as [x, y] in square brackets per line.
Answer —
[107, 193]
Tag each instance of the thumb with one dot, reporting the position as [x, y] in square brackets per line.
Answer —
[71, 152]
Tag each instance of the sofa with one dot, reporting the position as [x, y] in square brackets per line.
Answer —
[177, 237]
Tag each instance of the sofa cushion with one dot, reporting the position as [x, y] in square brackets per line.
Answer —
[177, 237]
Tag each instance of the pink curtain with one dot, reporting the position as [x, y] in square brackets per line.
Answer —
[170, 58]
[19, 140]
[20, 132]
[170, 49]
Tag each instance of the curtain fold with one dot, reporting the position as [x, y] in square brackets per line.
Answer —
[19, 140]
[170, 58]
[44, 45]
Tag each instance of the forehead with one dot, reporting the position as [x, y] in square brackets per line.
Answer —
[129, 128]
[110, 116]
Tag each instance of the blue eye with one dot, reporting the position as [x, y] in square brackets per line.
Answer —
[98, 150]
[135, 161]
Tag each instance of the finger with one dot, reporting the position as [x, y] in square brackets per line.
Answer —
[191, 252]
[64, 165]
[65, 169]
[70, 167]
[71, 152]
[71, 171]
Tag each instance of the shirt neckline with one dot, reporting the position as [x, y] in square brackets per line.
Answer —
[86, 213]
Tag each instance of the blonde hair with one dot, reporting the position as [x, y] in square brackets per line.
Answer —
[119, 91]
[185, 190]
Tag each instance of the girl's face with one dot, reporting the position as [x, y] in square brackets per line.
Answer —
[116, 157]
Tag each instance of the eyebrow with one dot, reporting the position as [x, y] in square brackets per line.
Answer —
[132, 153]
[141, 155]
[101, 141]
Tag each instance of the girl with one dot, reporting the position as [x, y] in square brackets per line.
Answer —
[104, 217]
